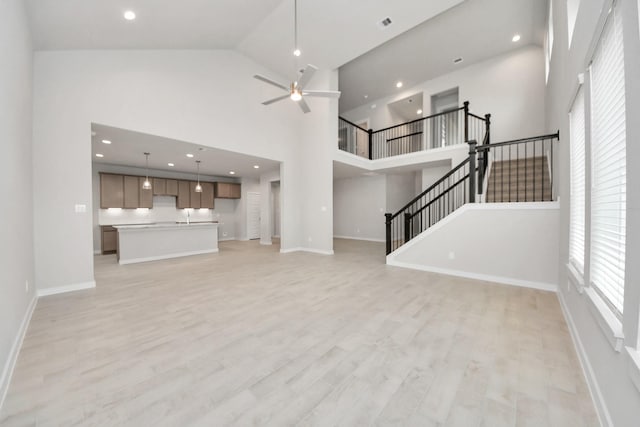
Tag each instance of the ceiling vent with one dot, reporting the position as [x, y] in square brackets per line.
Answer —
[458, 60]
[384, 23]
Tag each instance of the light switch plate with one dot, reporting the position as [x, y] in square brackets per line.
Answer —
[81, 208]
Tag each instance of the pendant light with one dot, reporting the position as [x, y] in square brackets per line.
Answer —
[146, 185]
[296, 49]
[198, 186]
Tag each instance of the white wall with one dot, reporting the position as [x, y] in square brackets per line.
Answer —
[400, 190]
[512, 244]
[607, 370]
[359, 207]
[510, 87]
[204, 97]
[249, 185]
[16, 217]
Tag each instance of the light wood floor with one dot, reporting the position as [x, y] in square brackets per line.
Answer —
[252, 337]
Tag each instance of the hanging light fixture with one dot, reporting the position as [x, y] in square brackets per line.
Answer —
[296, 49]
[146, 185]
[198, 186]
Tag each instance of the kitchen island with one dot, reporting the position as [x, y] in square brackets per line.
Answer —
[151, 242]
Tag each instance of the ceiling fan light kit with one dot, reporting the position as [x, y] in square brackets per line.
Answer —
[296, 89]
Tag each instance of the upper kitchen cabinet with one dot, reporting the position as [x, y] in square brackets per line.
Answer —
[227, 190]
[165, 187]
[206, 197]
[195, 196]
[146, 196]
[131, 192]
[111, 191]
[184, 195]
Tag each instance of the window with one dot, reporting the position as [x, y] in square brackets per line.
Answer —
[577, 199]
[548, 42]
[608, 165]
[572, 14]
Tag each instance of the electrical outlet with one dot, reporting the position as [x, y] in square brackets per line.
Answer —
[224, 234]
[452, 255]
[26, 286]
[309, 239]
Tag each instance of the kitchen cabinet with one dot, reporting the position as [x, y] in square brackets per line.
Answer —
[165, 187]
[131, 192]
[172, 187]
[195, 197]
[184, 195]
[145, 196]
[109, 239]
[227, 190]
[111, 191]
[206, 197]
[159, 186]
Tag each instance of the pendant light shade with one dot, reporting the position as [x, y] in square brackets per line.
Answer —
[146, 185]
[198, 186]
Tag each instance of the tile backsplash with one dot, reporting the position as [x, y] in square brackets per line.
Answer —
[164, 210]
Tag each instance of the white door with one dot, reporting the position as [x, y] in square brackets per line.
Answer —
[253, 216]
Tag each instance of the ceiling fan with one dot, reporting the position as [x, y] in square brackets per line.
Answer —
[296, 89]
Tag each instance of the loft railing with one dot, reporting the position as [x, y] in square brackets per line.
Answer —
[444, 129]
[512, 171]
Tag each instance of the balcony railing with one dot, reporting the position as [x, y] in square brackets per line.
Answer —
[440, 130]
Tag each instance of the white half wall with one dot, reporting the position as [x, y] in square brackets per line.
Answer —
[507, 243]
[510, 87]
[16, 216]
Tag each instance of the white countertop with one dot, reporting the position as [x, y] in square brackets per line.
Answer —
[165, 225]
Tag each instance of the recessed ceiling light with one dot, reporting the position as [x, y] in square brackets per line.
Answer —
[458, 60]
[419, 112]
[106, 141]
[170, 164]
[516, 38]
[297, 52]
[232, 173]
[366, 96]
[373, 106]
[256, 167]
[129, 15]
[93, 133]
[399, 85]
[189, 155]
[99, 155]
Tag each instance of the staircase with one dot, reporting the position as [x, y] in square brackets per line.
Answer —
[515, 171]
[519, 180]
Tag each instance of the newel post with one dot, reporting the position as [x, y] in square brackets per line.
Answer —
[472, 171]
[387, 223]
[466, 121]
[407, 227]
[370, 132]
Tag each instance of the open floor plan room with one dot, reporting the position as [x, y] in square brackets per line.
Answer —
[252, 337]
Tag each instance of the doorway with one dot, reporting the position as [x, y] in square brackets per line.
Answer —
[253, 216]
[445, 129]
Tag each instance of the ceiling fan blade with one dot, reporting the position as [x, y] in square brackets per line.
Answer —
[280, 98]
[271, 82]
[304, 106]
[322, 93]
[306, 76]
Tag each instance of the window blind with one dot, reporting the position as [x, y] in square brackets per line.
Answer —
[577, 191]
[608, 165]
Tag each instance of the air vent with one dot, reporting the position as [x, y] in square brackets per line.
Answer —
[384, 23]
[458, 60]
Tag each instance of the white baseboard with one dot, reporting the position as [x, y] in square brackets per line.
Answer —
[68, 288]
[7, 370]
[97, 252]
[161, 257]
[587, 370]
[314, 251]
[359, 238]
[226, 239]
[477, 276]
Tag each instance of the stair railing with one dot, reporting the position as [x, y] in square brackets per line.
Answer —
[440, 130]
[468, 179]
